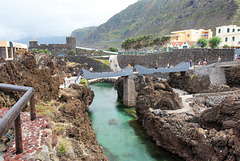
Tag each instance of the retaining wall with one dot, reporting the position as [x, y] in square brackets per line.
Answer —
[176, 56]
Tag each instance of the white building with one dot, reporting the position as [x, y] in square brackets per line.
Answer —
[8, 49]
[230, 35]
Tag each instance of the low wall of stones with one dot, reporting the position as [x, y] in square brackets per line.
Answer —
[176, 56]
[97, 65]
[55, 49]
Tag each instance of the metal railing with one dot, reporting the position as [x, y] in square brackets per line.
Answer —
[13, 115]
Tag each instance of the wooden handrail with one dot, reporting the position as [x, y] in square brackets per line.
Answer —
[13, 115]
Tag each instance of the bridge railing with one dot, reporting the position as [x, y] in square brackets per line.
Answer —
[13, 115]
[127, 71]
[184, 66]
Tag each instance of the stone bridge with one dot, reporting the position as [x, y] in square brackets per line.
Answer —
[129, 92]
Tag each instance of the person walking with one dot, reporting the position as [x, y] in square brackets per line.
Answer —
[190, 62]
[156, 65]
[168, 65]
[91, 69]
[219, 59]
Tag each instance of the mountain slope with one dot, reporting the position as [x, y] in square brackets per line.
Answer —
[83, 32]
[160, 17]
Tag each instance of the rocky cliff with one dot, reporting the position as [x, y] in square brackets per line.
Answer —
[41, 72]
[62, 125]
[206, 134]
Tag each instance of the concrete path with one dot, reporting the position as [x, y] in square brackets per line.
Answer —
[186, 108]
[1, 156]
[114, 61]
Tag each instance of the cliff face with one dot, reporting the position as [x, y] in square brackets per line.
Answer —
[160, 17]
[209, 134]
[41, 72]
[79, 130]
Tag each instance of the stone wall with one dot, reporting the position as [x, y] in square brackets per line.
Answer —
[55, 49]
[176, 56]
[97, 65]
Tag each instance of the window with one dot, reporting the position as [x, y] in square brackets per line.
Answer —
[228, 30]
[226, 39]
[233, 38]
[219, 30]
[233, 30]
[238, 29]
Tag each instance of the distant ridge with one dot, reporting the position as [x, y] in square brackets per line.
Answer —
[160, 17]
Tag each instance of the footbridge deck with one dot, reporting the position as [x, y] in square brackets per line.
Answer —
[128, 71]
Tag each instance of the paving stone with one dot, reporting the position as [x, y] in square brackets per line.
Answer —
[33, 133]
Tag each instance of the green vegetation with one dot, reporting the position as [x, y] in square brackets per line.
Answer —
[72, 52]
[143, 42]
[214, 42]
[203, 42]
[103, 61]
[113, 49]
[84, 82]
[192, 76]
[62, 149]
[226, 46]
[41, 51]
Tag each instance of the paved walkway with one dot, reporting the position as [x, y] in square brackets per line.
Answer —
[33, 137]
[1, 156]
[114, 61]
[186, 108]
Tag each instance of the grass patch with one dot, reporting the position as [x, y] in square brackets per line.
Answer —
[103, 61]
[62, 149]
[63, 146]
[59, 129]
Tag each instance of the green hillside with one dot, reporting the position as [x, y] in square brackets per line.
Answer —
[83, 32]
[160, 17]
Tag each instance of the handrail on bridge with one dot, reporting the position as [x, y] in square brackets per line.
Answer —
[13, 115]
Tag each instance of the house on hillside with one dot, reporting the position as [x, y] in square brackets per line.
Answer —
[184, 39]
[230, 35]
[9, 49]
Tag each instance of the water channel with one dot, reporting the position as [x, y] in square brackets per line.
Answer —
[120, 135]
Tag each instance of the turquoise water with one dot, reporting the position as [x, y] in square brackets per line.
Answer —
[121, 136]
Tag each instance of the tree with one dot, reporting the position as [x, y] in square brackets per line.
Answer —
[226, 46]
[202, 42]
[157, 41]
[214, 41]
[112, 49]
[128, 43]
[165, 40]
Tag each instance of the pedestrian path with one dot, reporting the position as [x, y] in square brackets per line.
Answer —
[185, 101]
[114, 62]
[34, 135]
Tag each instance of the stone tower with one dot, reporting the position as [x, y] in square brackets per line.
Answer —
[33, 43]
[71, 42]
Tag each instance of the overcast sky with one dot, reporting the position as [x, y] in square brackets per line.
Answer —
[42, 18]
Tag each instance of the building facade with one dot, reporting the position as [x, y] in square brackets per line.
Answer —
[230, 35]
[9, 49]
[186, 38]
